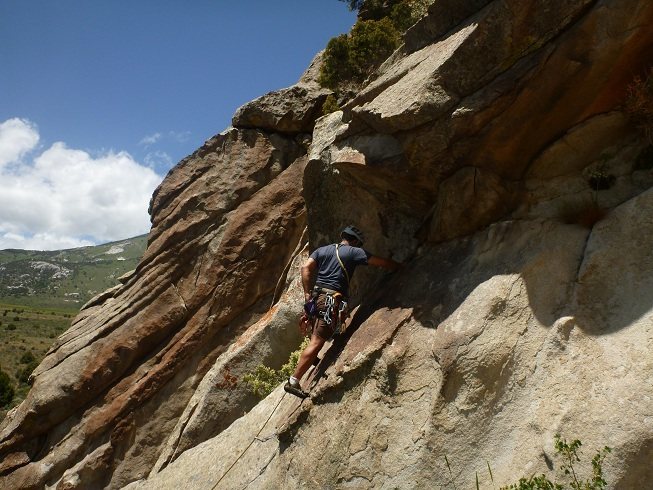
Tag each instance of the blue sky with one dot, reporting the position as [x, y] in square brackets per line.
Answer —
[116, 87]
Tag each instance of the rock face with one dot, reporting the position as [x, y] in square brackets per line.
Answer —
[226, 222]
[524, 307]
[292, 110]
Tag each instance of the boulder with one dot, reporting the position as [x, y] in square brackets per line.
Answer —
[291, 110]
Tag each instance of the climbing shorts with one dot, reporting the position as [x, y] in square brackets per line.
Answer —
[323, 329]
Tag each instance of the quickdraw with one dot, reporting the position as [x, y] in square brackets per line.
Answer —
[333, 303]
[334, 314]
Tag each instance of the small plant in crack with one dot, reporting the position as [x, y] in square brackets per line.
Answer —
[600, 180]
[264, 379]
[569, 452]
[570, 469]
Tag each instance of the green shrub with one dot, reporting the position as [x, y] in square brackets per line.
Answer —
[27, 358]
[377, 33]
[354, 4]
[23, 374]
[599, 179]
[569, 454]
[330, 105]
[7, 391]
[352, 57]
[403, 16]
[371, 42]
[263, 380]
[335, 65]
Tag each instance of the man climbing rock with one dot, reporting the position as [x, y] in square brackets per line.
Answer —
[325, 278]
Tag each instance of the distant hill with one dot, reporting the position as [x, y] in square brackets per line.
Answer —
[65, 278]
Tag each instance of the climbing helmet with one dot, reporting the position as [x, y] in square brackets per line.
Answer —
[355, 232]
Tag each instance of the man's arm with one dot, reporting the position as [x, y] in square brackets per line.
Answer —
[309, 270]
[389, 264]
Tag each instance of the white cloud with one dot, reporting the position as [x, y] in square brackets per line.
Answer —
[41, 241]
[158, 158]
[150, 140]
[179, 136]
[17, 137]
[65, 197]
[175, 136]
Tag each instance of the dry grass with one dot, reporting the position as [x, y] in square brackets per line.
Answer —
[639, 104]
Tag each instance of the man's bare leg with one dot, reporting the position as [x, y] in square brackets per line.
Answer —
[308, 355]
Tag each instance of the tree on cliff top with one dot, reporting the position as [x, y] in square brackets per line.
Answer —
[351, 58]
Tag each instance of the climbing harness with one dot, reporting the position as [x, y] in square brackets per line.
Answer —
[335, 308]
[334, 312]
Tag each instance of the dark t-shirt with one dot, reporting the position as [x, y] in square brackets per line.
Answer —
[329, 272]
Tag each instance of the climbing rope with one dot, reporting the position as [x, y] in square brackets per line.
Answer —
[256, 438]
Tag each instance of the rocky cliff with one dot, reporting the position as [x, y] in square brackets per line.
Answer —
[489, 154]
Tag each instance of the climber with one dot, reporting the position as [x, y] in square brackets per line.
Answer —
[325, 278]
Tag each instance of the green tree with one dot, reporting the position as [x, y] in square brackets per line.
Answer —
[330, 105]
[336, 66]
[354, 56]
[27, 357]
[23, 374]
[354, 4]
[7, 391]
[377, 33]
[371, 43]
[373, 9]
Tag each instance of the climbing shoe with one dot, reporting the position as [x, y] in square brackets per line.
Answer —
[295, 390]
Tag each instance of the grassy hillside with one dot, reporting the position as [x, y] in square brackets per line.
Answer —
[65, 279]
[40, 294]
[26, 334]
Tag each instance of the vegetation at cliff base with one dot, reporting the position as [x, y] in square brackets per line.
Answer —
[41, 292]
[26, 334]
[7, 390]
[263, 380]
